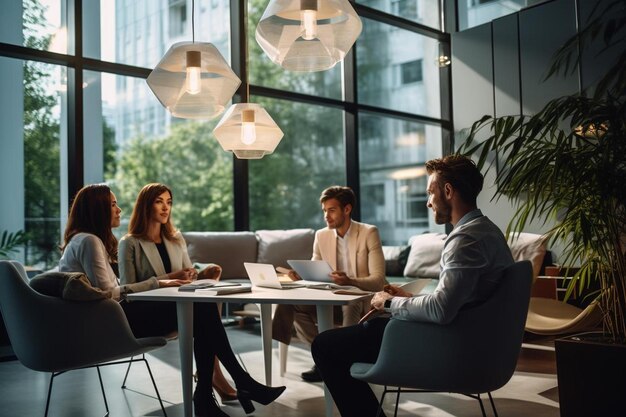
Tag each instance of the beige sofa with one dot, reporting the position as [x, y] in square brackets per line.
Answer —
[231, 249]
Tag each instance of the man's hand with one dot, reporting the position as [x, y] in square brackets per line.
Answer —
[294, 275]
[396, 291]
[212, 271]
[378, 300]
[340, 278]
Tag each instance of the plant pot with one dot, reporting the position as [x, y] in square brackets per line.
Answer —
[591, 374]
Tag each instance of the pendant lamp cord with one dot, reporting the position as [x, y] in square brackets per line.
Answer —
[193, 18]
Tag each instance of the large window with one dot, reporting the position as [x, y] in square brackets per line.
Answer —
[476, 12]
[389, 61]
[285, 189]
[84, 114]
[393, 178]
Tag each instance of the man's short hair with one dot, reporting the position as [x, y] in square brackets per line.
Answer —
[344, 195]
[461, 172]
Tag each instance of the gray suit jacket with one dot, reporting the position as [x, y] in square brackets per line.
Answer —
[365, 249]
[140, 260]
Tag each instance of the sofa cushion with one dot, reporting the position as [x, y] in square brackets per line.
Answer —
[528, 246]
[276, 247]
[424, 256]
[227, 249]
[74, 286]
[395, 259]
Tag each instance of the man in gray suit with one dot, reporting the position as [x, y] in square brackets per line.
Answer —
[354, 252]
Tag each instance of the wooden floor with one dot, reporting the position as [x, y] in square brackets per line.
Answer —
[531, 392]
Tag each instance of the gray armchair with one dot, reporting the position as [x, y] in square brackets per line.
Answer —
[476, 353]
[50, 334]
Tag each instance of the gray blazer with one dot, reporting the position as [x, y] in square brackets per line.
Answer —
[140, 260]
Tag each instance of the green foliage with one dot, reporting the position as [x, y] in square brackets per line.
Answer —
[9, 242]
[567, 165]
[191, 162]
[41, 148]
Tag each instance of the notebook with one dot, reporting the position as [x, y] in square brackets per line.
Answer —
[264, 275]
[312, 270]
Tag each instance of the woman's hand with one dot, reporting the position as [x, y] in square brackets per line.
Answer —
[172, 282]
[187, 274]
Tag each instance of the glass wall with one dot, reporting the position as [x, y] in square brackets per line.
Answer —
[369, 125]
[426, 12]
[393, 178]
[397, 70]
[285, 188]
[476, 12]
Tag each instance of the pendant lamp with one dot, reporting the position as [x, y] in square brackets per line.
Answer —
[248, 131]
[193, 80]
[308, 35]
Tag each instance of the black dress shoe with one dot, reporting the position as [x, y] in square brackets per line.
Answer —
[312, 375]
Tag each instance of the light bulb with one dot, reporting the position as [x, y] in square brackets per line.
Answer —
[248, 129]
[309, 24]
[308, 19]
[193, 82]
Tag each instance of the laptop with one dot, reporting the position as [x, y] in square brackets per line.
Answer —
[264, 275]
[312, 270]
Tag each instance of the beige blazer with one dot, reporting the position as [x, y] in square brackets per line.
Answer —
[140, 260]
[365, 250]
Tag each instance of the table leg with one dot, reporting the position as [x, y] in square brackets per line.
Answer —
[266, 335]
[325, 322]
[184, 310]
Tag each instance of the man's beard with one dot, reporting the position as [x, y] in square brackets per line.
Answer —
[443, 213]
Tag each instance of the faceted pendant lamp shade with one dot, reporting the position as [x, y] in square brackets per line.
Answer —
[308, 35]
[193, 81]
[248, 131]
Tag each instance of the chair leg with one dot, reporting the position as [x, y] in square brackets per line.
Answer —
[104, 396]
[154, 384]
[395, 413]
[282, 355]
[52, 375]
[482, 407]
[493, 405]
[127, 371]
[380, 404]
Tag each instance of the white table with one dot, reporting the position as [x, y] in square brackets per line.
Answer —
[323, 299]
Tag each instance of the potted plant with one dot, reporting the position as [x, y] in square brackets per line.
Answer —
[567, 165]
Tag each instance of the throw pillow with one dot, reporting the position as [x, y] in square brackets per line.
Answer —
[393, 266]
[276, 247]
[424, 256]
[528, 246]
[73, 286]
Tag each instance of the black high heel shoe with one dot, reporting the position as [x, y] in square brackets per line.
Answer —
[262, 394]
[205, 405]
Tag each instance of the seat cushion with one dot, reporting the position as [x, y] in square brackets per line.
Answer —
[276, 247]
[424, 256]
[74, 286]
[227, 249]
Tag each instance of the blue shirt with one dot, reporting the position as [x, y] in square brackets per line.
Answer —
[474, 257]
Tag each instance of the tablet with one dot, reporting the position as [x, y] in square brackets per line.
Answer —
[312, 270]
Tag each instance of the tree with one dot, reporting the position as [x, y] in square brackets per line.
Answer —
[191, 162]
[41, 149]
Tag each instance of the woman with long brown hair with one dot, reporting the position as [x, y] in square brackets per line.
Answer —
[90, 247]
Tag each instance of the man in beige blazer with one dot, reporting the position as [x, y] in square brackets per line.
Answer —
[354, 252]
